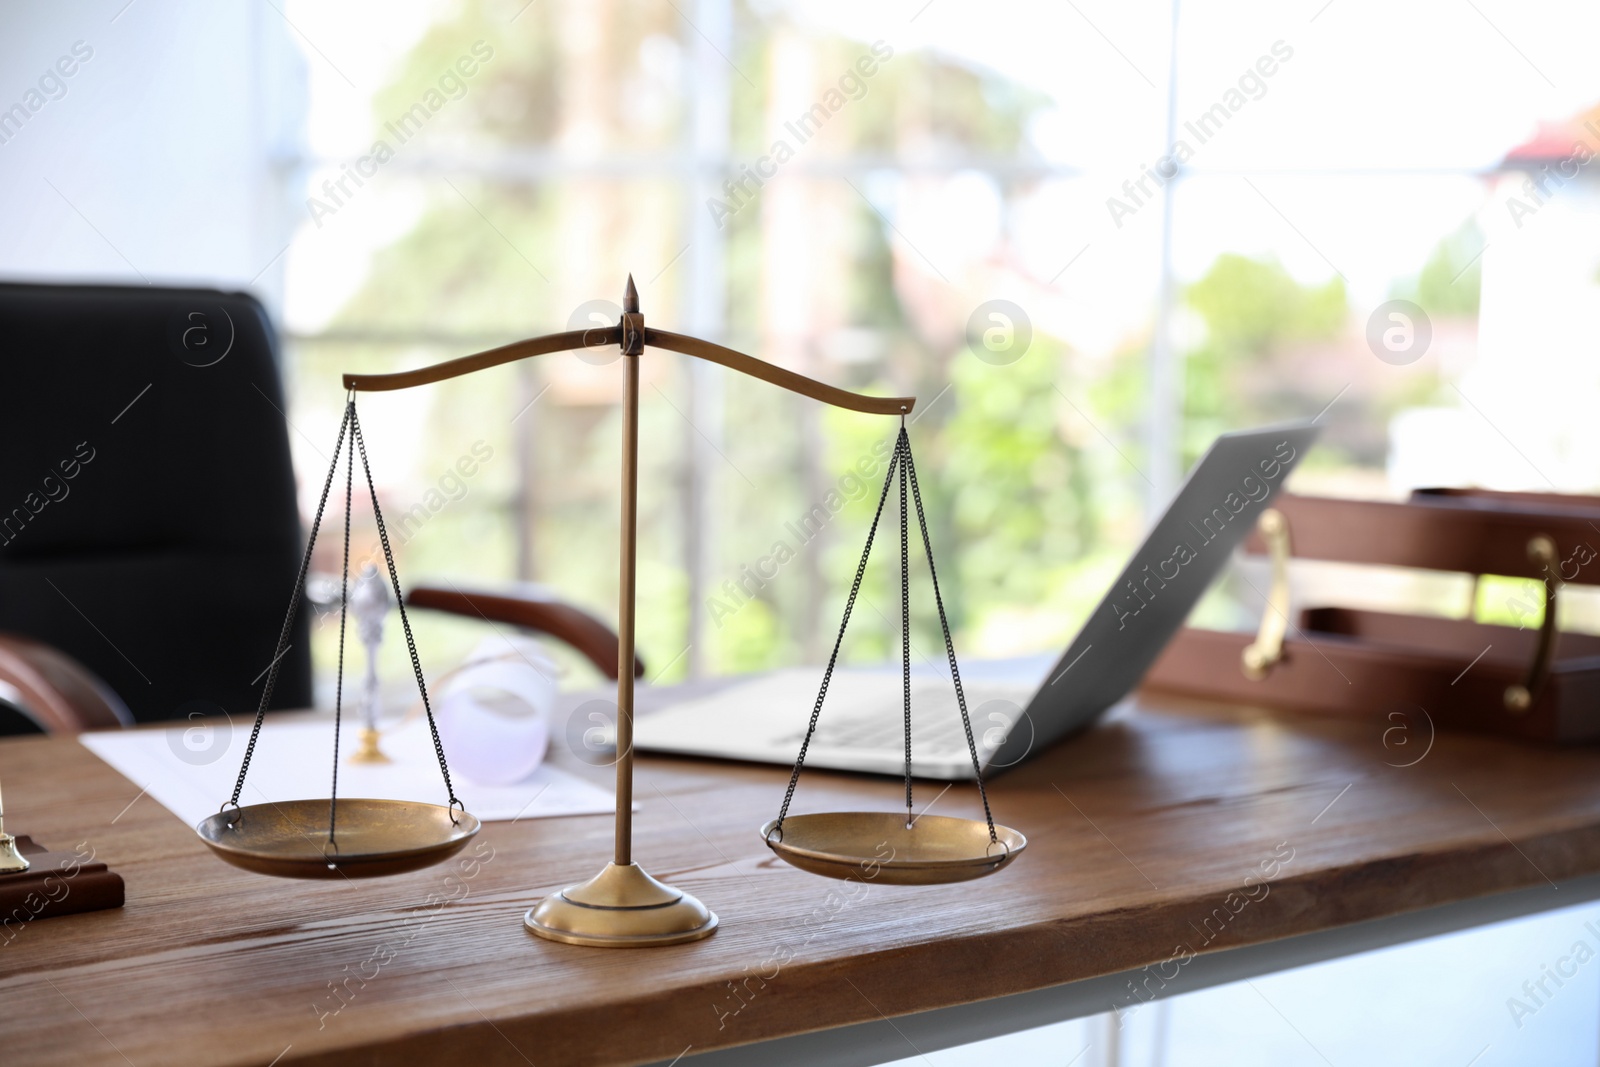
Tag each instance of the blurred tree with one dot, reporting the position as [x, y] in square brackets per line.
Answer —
[1250, 305]
[493, 253]
[1017, 490]
[1451, 281]
[1255, 326]
[1255, 316]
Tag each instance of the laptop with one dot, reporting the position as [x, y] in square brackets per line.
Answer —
[1017, 707]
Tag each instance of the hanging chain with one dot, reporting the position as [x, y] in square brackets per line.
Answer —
[949, 646]
[344, 602]
[288, 620]
[405, 623]
[902, 448]
[827, 675]
[902, 462]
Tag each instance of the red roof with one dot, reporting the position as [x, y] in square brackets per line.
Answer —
[1554, 141]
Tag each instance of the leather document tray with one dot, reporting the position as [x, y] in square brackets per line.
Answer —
[1529, 681]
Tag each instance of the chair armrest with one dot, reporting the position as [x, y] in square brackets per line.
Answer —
[594, 639]
[55, 690]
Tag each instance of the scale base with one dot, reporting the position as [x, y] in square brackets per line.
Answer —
[369, 752]
[621, 907]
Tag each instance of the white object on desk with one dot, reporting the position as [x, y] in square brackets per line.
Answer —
[291, 763]
[494, 711]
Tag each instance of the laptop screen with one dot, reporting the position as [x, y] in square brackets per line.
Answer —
[1186, 549]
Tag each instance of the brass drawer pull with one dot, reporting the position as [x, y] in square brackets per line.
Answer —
[1519, 698]
[1267, 649]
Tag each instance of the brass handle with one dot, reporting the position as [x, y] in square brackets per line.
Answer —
[1519, 698]
[1259, 656]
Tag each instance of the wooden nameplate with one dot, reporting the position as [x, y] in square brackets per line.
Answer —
[55, 883]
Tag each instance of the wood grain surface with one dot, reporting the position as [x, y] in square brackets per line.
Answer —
[1145, 833]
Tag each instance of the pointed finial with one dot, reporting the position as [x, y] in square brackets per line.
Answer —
[632, 322]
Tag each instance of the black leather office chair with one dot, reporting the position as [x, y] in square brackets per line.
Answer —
[148, 523]
[149, 535]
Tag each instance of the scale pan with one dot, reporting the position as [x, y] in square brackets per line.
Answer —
[375, 837]
[877, 847]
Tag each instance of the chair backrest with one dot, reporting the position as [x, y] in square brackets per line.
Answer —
[148, 522]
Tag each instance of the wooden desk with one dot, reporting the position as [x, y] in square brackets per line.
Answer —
[1138, 834]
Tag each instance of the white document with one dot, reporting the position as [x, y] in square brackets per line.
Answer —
[191, 771]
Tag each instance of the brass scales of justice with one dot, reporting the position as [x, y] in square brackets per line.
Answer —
[622, 906]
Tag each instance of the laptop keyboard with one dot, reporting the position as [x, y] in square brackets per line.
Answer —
[940, 739]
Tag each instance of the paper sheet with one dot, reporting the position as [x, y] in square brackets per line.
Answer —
[192, 770]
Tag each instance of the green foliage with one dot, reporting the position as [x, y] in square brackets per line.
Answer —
[1249, 306]
[1009, 502]
[1451, 281]
[1252, 311]
[923, 98]
[746, 639]
[455, 272]
[1017, 491]
[518, 96]
[1255, 320]
[1504, 601]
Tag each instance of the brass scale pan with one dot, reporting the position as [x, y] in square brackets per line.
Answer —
[887, 846]
[339, 838]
